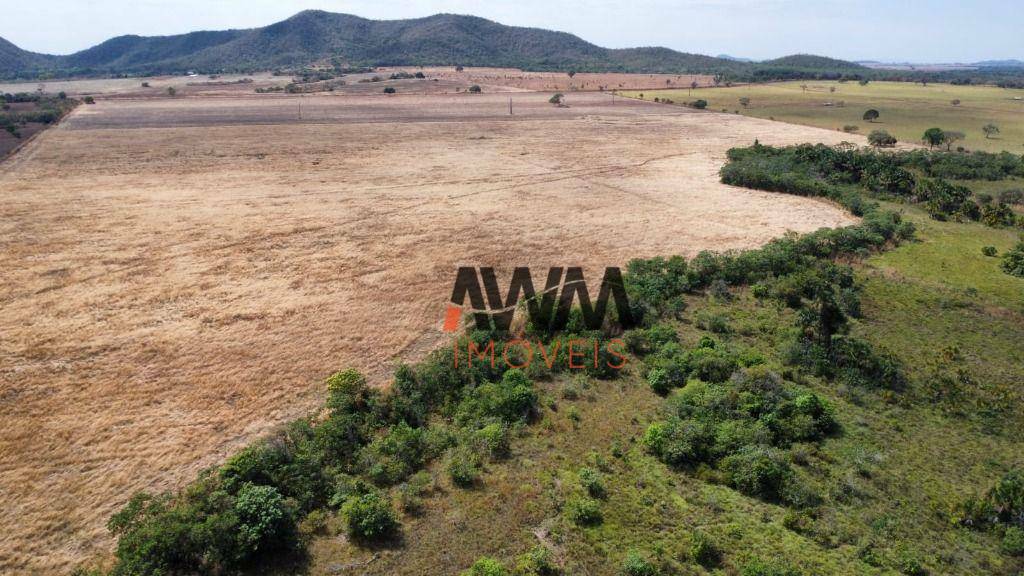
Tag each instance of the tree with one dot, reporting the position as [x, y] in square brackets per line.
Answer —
[870, 115]
[952, 136]
[832, 89]
[459, 68]
[693, 86]
[389, 90]
[934, 137]
[370, 516]
[863, 81]
[955, 101]
[475, 89]
[881, 139]
[803, 87]
[744, 101]
[556, 99]
[989, 130]
[572, 73]
[171, 91]
[700, 104]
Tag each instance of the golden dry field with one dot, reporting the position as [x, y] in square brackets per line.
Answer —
[180, 274]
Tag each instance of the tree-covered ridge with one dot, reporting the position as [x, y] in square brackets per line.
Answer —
[310, 36]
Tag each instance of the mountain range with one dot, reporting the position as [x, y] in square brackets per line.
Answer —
[314, 36]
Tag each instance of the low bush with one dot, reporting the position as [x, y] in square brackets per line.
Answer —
[486, 566]
[636, 564]
[1013, 260]
[370, 516]
[584, 511]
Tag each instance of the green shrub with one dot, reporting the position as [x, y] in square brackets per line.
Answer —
[486, 566]
[389, 90]
[591, 481]
[464, 467]
[411, 492]
[1013, 261]
[636, 564]
[909, 565]
[989, 251]
[494, 439]
[758, 567]
[758, 471]
[1013, 541]
[264, 521]
[539, 561]
[703, 550]
[370, 516]
[584, 511]
[475, 89]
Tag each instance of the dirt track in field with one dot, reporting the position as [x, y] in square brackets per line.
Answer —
[179, 275]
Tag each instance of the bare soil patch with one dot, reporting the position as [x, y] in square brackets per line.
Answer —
[180, 274]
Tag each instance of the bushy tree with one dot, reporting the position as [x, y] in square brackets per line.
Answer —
[370, 516]
[486, 566]
[934, 137]
[870, 115]
[1013, 260]
[881, 139]
[990, 130]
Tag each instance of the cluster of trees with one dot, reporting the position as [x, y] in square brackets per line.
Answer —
[369, 447]
[843, 173]
[45, 109]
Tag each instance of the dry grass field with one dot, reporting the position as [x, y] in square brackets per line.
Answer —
[180, 274]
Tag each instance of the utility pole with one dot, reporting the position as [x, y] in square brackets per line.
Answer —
[509, 105]
[300, 107]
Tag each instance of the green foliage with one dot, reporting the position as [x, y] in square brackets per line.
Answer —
[592, 482]
[539, 561]
[759, 567]
[486, 566]
[870, 115]
[636, 564]
[934, 137]
[389, 90]
[1013, 541]
[370, 517]
[556, 98]
[881, 139]
[475, 89]
[703, 550]
[583, 511]
[1013, 261]
[464, 467]
[758, 471]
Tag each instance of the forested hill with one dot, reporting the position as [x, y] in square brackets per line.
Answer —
[314, 36]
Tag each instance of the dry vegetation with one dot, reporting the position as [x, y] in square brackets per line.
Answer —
[181, 273]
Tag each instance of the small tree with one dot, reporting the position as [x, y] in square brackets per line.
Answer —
[1013, 260]
[934, 137]
[475, 89]
[700, 104]
[556, 99]
[145, 84]
[370, 516]
[955, 102]
[870, 115]
[951, 136]
[171, 91]
[572, 73]
[693, 86]
[459, 68]
[863, 81]
[89, 100]
[832, 89]
[881, 139]
[990, 130]
[389, 90]
[744, 101]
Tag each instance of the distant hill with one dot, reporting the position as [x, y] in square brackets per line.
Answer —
[1000, 64]
[733, 58]
[14, 59]
[313, 36]
[811, 61]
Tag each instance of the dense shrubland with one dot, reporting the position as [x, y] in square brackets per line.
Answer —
[846, 174]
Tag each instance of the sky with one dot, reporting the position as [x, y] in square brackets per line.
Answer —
[920, 31]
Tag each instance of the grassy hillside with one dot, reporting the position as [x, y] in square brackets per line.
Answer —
[906, 110]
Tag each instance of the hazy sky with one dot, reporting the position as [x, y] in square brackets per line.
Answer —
[891, 30]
